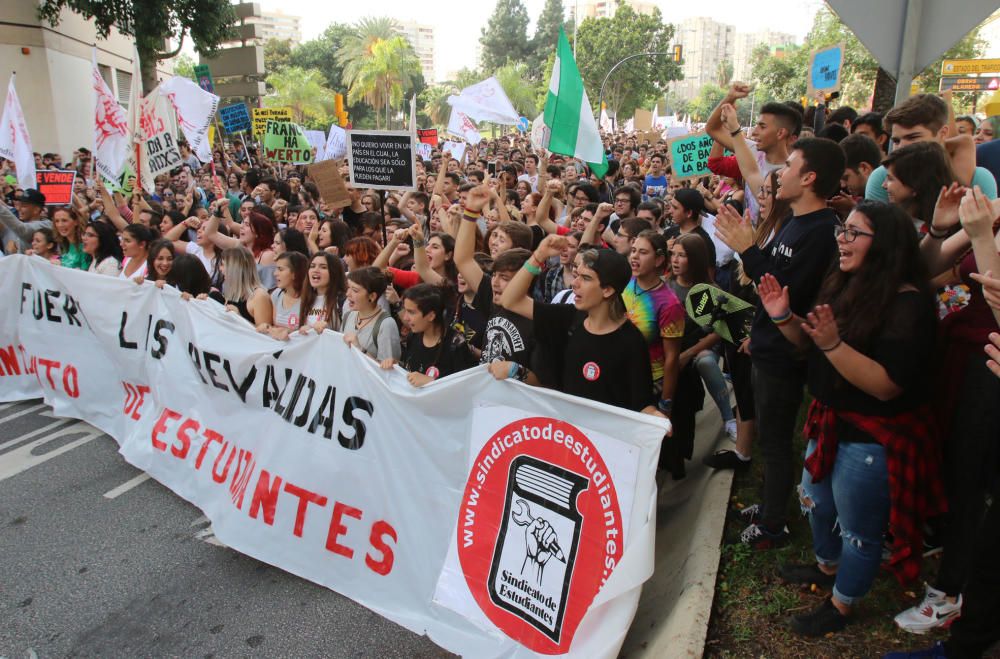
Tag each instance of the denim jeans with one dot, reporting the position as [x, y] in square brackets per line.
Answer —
[707, 363]
[777, 399]
[849, 512]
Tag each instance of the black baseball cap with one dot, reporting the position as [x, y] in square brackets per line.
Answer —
[31, 196]
[612, 269]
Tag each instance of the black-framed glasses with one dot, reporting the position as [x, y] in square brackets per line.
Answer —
[851, 234]
[621, 201]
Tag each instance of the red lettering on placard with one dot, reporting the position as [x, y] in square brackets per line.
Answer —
[210, 436]
[49, 364]
[181, 450]
[338, 529]
[265, 496]
[380, 530]
[305, 498]
[161, 427]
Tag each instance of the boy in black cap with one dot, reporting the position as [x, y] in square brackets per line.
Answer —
[596, 352]
[30, 205]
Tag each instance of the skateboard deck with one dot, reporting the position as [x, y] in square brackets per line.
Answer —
[721, 312]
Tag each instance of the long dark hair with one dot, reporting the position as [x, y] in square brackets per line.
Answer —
[155, 248]
[923, 167]
[188, 275]
[334, 290]
[428, 298]
[860, 299]
[697, 256]
[107, 242]
[448, 243]
[299, 265]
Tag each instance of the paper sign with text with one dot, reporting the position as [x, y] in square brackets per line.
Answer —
[285, 142]
[825, 67]
[428, 136]
[235, 117]
[262, 115]
[162, 153]
[56, 185]
[382, 160]
[689, 156]
[456, 149]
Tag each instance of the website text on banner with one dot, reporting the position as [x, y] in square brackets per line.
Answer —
[307, 456]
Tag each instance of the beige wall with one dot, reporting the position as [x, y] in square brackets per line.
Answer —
[53, 79]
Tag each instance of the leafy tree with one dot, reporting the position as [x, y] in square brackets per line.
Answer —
[386, 75]
[513, 77]
[304, 92]
[433, 103]
[708, 97]
[603, 42]
[208, 23]
[277, 55]
[546, 36]
[184, 66]
[357, 46]
[320, 54]
[467, 77]
[779, 77]
[505, 37]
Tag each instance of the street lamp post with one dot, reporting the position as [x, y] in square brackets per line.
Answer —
[600, 101]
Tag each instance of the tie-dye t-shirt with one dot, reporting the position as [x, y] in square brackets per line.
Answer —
[659, 315]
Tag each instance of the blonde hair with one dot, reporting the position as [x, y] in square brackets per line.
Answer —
[241, 274]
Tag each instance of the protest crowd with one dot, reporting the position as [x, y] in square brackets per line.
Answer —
[866, 244]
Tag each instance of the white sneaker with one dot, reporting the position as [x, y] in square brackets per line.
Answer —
[934, 612]
[731, 430]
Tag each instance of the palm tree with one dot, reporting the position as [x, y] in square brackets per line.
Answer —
[357, 46]
[513, 77]
[434, 101]
[385, 75]
[302, 91]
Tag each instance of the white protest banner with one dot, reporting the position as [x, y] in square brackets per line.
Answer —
[485, 101]
[460, 125]
[456, 149]
[318, 141]
[15, 143]
[417, 503]
[336, 144]
[111, 134]
[195, 110]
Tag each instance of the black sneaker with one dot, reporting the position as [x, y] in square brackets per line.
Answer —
[821, 621]
[758, 537]
[806, 574]
[725, 459]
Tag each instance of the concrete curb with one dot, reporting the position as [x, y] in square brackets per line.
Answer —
[676, 603]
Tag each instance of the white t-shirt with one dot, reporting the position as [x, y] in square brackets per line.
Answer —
[723, 252]
[532, 180]
[194, 249]
[141, 272]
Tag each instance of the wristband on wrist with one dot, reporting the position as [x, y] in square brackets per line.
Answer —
[532, 268]
[936, 235]
[471, 216]
[665, 405]
[833, 347]
[419, 244]
[736, 132]
[781, 320]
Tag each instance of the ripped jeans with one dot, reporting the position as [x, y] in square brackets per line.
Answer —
[848, 512]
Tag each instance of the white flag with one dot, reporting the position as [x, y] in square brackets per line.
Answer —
[111, 134]
[486, 101]
[336, 144]
[195, 110]
[413, 114]
[15, 143]
[456, 149]
[605, 121]
[460, 125]
[158, 151]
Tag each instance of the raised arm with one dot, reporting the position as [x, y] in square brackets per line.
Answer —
[541, 217]
[941, 251]
[110, 209]
[713, 126]
[465, 242]
[590, 233]
[744, 156]
[219, 240]
[515, 296]
[441, 175]
[420, 262]
[977, 214]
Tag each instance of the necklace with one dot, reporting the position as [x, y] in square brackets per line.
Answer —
[638, 290]
[361, 322]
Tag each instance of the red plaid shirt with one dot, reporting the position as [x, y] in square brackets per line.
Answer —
[913, 453]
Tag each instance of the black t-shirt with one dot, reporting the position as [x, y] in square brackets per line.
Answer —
[450, 355]
[609, 368]
[901, 347]
[674, 231]
[351, 218]
[508, 336]
[470, 321]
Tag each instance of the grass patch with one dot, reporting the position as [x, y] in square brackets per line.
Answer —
[752, 605]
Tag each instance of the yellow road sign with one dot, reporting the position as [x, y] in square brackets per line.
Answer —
[960, 67]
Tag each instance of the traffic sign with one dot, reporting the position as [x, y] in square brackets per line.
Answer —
[970, 84]
[959, 67]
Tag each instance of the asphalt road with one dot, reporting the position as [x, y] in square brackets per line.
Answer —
[98, 560]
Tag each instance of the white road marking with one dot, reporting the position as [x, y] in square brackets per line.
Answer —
[27, 410]
[4, 406]
[21, 459]
[41, 430]
[126, 486]
[206, 534]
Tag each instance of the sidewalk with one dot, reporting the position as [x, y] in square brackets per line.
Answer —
[676, 604]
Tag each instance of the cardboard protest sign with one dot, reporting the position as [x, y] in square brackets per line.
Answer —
[642, 120]
[428, 136]
[689, 156]
[285, 142]
[330, 183]
[456, 149]
[825, 68]
[235, 117]
[262, 115]
[56, 185]
[162, 153]
[382, 159]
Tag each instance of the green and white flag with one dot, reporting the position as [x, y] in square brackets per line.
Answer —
[573, 130]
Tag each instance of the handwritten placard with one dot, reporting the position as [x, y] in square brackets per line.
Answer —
[825, 68]
[689, 156]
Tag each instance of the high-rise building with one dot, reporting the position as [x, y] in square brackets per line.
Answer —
[706, 43]
[421, 37]
[279, 25]
[607, 8]
[747, 42]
